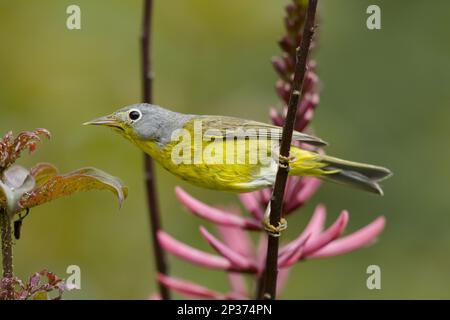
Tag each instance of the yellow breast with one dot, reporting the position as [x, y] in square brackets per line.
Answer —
[219, 164]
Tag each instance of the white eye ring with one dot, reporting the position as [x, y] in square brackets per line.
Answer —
[134, 115]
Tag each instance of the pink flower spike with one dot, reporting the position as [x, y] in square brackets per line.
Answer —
[328, 235]
[215, 215]
[312, 230]
[356, 240]
[293, 255]
[236, 296]
[309, 188]
[283, 275]
[317, 221]
[277, 119]
[237, 239]
[250, 202]
[283, 90]
[238, 285]
[293, 185]
[238, 262]
[261, 252]
[287, 249]
[266, 194]
[188, 288]
[191, 254]
[280, 66]
[308, 102]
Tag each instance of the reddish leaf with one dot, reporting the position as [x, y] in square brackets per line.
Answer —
[42, 172]
[80, 180]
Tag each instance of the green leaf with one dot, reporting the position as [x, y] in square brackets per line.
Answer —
[84, 179]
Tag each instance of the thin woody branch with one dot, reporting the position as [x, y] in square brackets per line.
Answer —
[7, 252]
[271, 269]
[147, 96]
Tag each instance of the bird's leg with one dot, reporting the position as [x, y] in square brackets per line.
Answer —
[274, 231]
[284, 162]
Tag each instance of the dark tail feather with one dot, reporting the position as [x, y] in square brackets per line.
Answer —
[359, 175]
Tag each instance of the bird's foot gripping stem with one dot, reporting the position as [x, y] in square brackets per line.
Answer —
[284, 162]
[274, 231]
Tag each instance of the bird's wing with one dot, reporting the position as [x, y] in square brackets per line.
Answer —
[223, 127]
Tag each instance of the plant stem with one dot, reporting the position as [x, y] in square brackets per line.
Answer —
[259, 292]
[7, 252]
[271, 270]
[147, 95]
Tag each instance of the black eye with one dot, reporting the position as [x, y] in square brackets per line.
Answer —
[134, 115]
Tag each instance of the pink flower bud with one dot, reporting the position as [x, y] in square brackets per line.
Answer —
[215, 215]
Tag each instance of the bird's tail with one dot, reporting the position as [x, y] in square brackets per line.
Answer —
[359, 175]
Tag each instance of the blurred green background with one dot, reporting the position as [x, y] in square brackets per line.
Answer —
[385, 99]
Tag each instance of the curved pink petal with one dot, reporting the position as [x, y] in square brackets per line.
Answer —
[293, 255]
[356, 240]
[283, 90]
[309, 101]
[289, 248]
[293, 185]
[328, 235]
[308, 189]
[237, 239]
[188, 288]
[317, 221]
[236, 296]
[250, 202]
[312, 230]
[266, 194]
[277, 118]
[306, 110]
[281, 67]
[261, 252]
[283, 275]
[191, 254]
[213, 214]
[237, 283]
[238, 262]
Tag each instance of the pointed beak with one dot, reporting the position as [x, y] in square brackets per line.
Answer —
[109, 121]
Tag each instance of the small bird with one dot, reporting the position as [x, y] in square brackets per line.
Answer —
[216, 152]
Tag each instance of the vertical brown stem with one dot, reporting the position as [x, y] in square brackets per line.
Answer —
[7, 252]
[271, 270]
[147, 96]
[259, 293]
